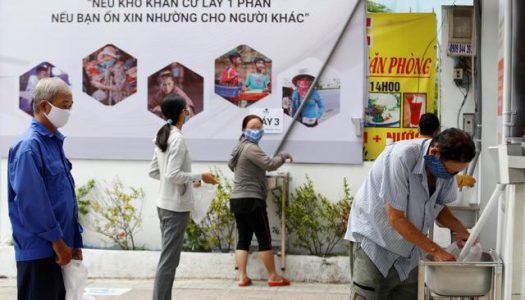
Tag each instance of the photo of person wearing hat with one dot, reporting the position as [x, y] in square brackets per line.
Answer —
[314, 107]
[106, 75]
[29, 80]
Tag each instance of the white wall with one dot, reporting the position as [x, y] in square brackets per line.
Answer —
[450, 95]
[327, 179]
[488, 164]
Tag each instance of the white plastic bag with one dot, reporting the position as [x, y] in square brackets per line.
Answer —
[474, 253]
[75, 276]
[203, 196]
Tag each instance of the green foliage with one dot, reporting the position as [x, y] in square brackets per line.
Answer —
[374, 7]
[317, 223]
[113, 213]
[195, 239]
[219, 223]
[83, 193]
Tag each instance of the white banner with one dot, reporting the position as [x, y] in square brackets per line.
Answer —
[224, 57]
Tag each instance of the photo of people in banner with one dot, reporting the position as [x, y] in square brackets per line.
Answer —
[29, 79]
[175, 79]
[383, 110]
[414, 105]
[243, 76]
[322, 103]
[109, 75]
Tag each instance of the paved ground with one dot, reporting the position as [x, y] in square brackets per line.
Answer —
[196, 289]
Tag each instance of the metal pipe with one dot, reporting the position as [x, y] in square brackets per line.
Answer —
[482, 220]
[507, 68]
[517, 96]
[325, 63]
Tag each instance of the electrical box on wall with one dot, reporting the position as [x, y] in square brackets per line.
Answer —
[458, 74]
[460, 21]
[469, 122]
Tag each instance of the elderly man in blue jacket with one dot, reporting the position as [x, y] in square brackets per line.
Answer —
[41, 195]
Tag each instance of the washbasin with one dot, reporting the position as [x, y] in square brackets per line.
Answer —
[461, 279]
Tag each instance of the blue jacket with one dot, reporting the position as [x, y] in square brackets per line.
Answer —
[41, 194]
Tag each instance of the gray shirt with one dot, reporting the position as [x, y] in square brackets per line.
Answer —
[397, 177]
[249, 164]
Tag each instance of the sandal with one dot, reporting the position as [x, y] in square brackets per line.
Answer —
[283, 282]
[246, 282]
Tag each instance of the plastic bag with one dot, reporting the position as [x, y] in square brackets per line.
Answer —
[203, 196]
[75, 276]
[474, 253]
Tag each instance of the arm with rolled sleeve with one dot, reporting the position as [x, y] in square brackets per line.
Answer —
[32, 201]
[177, 155]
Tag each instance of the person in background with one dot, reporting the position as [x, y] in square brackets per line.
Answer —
[407, 189]
[248, 199]
[41, 197]
[429, 127]
[171, 165]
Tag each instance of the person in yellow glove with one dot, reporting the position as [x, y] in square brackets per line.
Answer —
[429, 127]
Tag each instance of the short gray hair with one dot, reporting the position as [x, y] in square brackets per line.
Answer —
[48, 89]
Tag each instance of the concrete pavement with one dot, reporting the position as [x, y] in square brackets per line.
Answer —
[197, 289]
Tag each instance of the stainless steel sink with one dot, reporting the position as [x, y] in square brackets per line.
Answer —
[460, 279]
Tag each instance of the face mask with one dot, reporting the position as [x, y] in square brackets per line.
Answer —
[58, 116]
[435, 166]
[253, 135]
[186, 118]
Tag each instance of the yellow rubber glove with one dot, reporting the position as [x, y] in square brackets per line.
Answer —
[465, 180]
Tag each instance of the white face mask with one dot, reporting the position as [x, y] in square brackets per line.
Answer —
[58, 116]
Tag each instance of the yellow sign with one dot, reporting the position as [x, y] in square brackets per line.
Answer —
[401, 80]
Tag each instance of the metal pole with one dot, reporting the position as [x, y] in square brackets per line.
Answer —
[332, 51]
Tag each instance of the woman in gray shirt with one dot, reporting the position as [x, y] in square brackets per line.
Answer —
[250, 163]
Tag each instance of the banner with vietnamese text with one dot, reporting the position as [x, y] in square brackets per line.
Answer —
[402, 72]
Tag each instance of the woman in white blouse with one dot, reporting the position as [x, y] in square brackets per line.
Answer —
[171, 165]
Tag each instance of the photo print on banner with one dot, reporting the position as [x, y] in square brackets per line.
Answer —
[324, 100]
[175, 79]
[109, 75]
[29, 79]
[243, 76]
[383, 110]
[414, 106]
